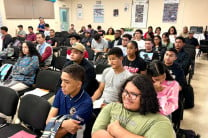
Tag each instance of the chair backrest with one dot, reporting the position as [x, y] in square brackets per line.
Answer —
[59, 40]
[59, 62]
[8, 101]
[204, 42]
[58, 34]
[63, 51]
[65, 34]
[90, 53]
[197, 29]
[48, 79]
[33, 111]
[190, 49]
[100, 68]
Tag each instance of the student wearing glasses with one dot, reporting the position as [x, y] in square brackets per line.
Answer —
[136, 116]
[125, 40]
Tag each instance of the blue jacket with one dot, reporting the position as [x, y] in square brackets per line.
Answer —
[25, 69]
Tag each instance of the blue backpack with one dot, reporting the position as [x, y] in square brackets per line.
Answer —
[5, 71]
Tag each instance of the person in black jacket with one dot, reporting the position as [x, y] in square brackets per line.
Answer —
[6, 38]
[117, 41]
[77, 57]
[175, 70]
[183, 58]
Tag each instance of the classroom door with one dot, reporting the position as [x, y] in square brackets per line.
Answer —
[64, 18]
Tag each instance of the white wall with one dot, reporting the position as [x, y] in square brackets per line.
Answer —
[191, 13]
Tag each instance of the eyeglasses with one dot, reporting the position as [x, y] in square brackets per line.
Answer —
[131, 95]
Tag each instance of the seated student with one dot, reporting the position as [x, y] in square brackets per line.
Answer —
[132, 62]
[109, 36]
[24, 70]
[138, 38]
[174, 69]
[158, 31]
[6, 38]
[166, 40]
[45, 50]
[183, 58]
[117, 39]
[71, 99]
[21, 34]
[112, 78]
[31, 36]
[135, 116]
[166, 87]
[47, 30]
[99, 44]
[149, 32]
[148, 54]
[184, 34]
[172, 34]
[191, 40]
[158, 47]
[100, 30]
[51, 39]
[125, 40]
[72, 29]
[149, 35]
[77, 57]
[87, 39]
[75, 38]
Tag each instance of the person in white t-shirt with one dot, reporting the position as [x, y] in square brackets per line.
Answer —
[112, 78]
[139, 40]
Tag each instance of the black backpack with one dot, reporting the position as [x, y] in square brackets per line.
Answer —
[101, 59]
[189, 97]
[182, 133]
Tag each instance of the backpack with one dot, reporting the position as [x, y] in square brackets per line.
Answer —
[183, 133]
[53, 126]
[189, 97]
[101, 59]
[5, 71]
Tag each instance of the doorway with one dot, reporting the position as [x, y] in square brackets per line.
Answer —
[64, 18]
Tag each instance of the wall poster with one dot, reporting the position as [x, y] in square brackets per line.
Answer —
[79, 11]
[170, 10]
[139, 13]
[98, 13]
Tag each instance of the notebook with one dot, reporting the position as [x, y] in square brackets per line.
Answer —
[23, 134]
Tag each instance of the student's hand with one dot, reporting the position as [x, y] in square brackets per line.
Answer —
[88, 43]
[114, 128]
[103, 105]
[71, 126]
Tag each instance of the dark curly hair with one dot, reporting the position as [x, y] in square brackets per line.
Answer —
[175, 31]
[32, 50]
[148, 100]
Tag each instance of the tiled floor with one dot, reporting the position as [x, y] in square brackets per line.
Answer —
[197, 117]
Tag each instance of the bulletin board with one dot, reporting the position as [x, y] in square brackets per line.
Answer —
[28, 9]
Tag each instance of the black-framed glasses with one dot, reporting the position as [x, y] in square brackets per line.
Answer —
[131, 95]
